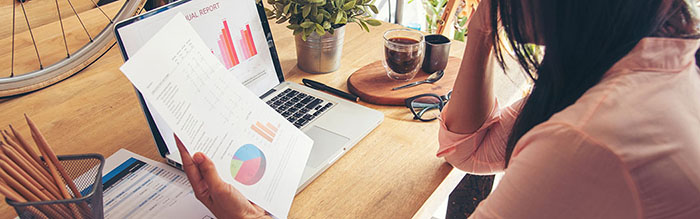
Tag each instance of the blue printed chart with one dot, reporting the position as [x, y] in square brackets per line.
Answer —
[248, 165]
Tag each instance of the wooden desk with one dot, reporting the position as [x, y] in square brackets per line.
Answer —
[389, 174]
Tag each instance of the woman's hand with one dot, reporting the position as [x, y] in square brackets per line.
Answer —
[219, 197]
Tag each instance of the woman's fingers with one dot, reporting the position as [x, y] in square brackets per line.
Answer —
[208, 171]
[192, 172]
[187, 163]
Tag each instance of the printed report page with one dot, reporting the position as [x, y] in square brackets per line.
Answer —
[253, 147]
[233, 33]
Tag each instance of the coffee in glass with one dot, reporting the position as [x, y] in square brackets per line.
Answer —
[403, 53]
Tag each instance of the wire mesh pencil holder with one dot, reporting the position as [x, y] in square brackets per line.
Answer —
[85, 170]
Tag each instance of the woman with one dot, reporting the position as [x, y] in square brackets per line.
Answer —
[610, 129]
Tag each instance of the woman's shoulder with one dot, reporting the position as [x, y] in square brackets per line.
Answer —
[648, 122]
[645, 97]
[638, 109]
[642, 117]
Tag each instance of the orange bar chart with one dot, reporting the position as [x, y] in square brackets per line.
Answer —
[266, 131]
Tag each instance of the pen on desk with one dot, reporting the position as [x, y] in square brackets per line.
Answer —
[322, 87]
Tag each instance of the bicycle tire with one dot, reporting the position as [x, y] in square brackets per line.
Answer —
[76, 62]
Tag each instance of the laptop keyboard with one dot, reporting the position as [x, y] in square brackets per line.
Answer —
[297, 107]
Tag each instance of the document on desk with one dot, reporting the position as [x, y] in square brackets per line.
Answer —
[253, 147]
[138, 187]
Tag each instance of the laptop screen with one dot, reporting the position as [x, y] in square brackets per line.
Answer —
[231, 29]
[235, 31]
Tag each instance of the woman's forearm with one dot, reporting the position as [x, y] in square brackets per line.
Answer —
[472, 96]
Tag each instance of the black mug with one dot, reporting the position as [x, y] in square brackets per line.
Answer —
[437, 52]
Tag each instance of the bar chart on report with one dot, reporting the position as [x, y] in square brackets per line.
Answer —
[233, 52]
[266, 131]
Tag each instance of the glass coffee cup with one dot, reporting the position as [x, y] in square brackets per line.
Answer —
[403, 53]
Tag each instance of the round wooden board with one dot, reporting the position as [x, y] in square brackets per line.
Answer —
[372, 84]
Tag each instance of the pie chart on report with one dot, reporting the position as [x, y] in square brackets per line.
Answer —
[248, 164]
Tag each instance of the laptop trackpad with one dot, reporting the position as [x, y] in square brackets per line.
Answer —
[326, 144]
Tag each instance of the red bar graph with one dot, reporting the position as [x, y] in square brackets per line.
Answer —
[250, 40]
[227, 48]
[232, 49]
[246, 46]
[247, 42]
[224, 53]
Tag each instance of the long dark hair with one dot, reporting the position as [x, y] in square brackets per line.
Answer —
[582, 40]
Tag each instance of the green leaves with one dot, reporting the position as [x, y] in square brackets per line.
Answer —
[324, 13]
[293, 26]
[349, 5]
[269, 13]
[305, 10]
[321, 16]
[320, 30]
[374, 9]
[307, 32]
[307, 24]
[314, 11]
[363, 25]
[373, 22]
[286, 8]
[338, 17]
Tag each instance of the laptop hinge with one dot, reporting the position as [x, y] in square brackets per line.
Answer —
[174, 164]
[267, 93]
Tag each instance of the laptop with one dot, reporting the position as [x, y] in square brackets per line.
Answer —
[237, 32]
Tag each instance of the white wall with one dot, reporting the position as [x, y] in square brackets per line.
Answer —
[413, 13]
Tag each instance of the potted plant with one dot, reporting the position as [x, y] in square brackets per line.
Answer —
[319, 28]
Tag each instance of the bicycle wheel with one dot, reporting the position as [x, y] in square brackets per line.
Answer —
[51, 40]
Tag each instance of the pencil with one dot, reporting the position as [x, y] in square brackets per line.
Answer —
[9, 193]
[50, 156]
[16, 146]
[32, 186]
[29, 196]
[21, 151]
[59, 181]
[56, 178]
[38, 166]
[33, 173]
[9, 152]
[25, 144]
[9, 135]
[13, 169]
[12, 195]
[54, 167]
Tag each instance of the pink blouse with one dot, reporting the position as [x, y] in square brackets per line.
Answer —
[628, 148]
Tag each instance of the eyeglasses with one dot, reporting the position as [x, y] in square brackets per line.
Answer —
[427, 107]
